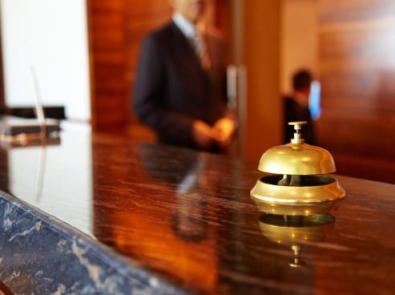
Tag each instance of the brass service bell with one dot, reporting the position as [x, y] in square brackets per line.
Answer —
[297, 184]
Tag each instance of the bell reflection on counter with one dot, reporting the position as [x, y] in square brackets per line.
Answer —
[298, 185]
[294, 231]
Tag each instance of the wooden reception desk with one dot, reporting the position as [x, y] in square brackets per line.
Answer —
[100, 214]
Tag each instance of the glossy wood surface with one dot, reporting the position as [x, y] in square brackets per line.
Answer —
[189, 217]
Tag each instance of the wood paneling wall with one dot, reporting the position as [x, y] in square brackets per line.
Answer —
[357, 74]
[107, 59]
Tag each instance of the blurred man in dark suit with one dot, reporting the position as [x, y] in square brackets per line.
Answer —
[180, 88]
[296, 108]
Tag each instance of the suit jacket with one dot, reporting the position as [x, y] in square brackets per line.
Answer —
[172, 89]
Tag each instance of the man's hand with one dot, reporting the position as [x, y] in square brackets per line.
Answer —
[225, 128]
[203, 134]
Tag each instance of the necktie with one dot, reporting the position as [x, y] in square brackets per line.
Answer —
[201, 50]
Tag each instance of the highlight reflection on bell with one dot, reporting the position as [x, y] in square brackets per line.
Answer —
[298, 185]
[294, 231]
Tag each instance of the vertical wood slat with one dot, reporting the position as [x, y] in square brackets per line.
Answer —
[106, 50]
[262, 61]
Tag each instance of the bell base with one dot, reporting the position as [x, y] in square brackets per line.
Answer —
[317, 195]
[296, 209]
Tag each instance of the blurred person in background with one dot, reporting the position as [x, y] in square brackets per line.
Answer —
[180, 88]
[296, 108]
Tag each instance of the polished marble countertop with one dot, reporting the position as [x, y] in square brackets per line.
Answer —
[189, 217]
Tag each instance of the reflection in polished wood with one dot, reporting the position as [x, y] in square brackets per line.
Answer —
[189, 217]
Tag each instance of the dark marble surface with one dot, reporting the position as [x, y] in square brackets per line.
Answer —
[185, 219]
[42, 255]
